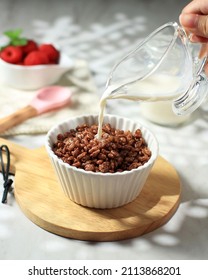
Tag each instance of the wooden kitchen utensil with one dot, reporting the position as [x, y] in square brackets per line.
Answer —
[47, 99]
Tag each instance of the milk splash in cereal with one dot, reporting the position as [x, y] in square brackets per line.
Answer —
[158, 87]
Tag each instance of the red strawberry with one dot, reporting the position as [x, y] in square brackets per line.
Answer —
[51, 51]
[12, 54]
[21, 63]
[36, 58]
[29, 47]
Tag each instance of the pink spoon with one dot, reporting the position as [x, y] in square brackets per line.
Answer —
[47, 99]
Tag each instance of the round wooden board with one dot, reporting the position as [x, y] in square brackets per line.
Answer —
[44, 203]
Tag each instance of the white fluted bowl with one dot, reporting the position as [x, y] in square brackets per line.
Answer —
[101, 190]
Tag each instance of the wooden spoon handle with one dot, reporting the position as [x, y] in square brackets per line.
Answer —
[16, 118]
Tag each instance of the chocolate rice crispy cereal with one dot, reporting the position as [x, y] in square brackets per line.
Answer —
[117, 150]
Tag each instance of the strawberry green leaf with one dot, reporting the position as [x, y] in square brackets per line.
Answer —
[19, 42]
[12, 34]
[2, 47]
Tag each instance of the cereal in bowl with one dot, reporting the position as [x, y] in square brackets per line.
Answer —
[117, 151]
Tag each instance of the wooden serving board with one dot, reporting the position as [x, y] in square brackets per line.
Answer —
[42, 200]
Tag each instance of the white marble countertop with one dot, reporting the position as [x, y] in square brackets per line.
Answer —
[185, 146]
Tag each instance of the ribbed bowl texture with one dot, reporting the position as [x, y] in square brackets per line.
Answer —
[96, 189]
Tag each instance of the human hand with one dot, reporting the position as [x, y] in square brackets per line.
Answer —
[194, 19]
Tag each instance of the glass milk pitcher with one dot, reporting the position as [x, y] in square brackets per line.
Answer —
[162, 68]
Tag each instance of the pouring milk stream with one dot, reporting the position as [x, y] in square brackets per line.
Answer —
[153, 88]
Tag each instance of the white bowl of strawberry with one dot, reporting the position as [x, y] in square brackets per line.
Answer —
[27, 65]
